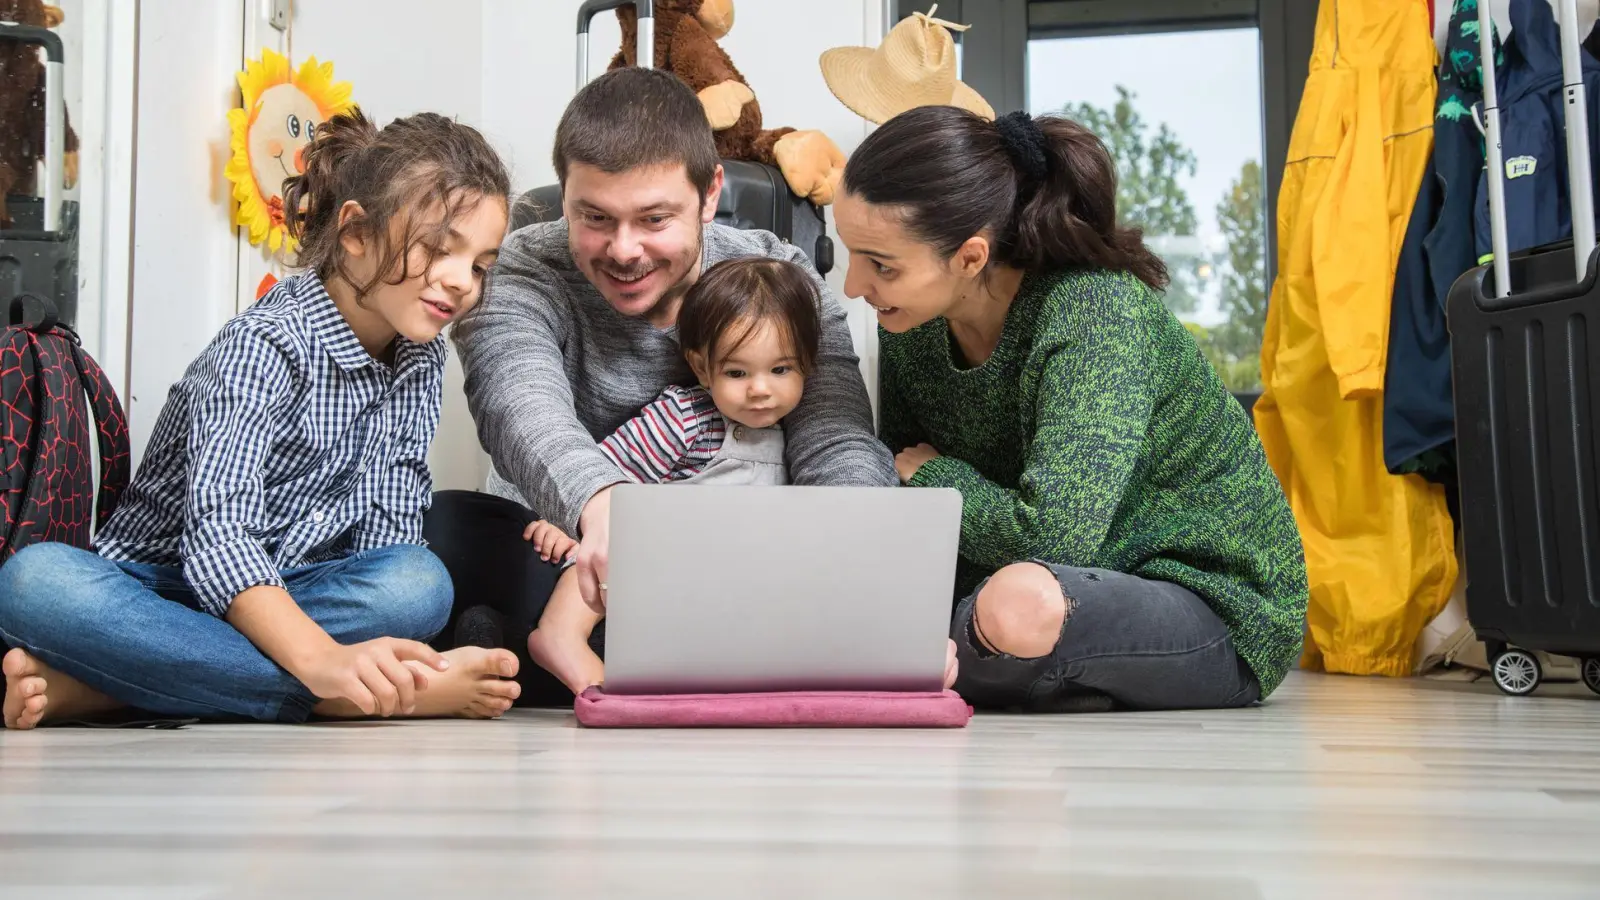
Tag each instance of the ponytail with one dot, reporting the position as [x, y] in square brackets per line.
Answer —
[1044, 191]
[311, 201]
[1069, 216]
[412, 164]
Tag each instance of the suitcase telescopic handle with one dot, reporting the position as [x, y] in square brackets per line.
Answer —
[54, 113]
[1577, 105]
[647, 31]
[1499, 243]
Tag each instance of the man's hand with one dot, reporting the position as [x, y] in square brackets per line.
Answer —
[594, 550]
[907, 462]
[551, 542]
[372, 675]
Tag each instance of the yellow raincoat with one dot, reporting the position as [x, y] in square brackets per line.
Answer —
[1379, 548]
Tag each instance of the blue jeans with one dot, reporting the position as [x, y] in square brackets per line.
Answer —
[135, 633]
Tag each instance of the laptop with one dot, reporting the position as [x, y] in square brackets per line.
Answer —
[733, 589]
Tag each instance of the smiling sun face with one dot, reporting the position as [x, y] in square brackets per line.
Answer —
[280, 116]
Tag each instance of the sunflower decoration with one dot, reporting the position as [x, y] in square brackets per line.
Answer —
[280, 115]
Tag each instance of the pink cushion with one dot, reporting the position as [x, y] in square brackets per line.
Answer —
[805, 709]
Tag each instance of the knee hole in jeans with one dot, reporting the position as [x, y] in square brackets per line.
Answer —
[1022, 611]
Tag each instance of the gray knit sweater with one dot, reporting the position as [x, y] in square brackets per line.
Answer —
[552, 369]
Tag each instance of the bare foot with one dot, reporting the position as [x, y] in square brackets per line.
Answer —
[476, 686]
[32, 687]
[950, 667]
[568, 657]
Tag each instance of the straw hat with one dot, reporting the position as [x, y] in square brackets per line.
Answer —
[914, 66]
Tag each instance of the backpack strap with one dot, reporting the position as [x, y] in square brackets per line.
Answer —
[111, 427]
[20, 483]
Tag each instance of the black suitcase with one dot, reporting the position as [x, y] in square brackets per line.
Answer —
[1527, 400]
[754, 196]
[39, 252]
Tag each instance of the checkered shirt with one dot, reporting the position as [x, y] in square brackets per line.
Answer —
[283, 445]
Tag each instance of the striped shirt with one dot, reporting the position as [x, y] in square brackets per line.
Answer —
[283, 445]
[673, 438]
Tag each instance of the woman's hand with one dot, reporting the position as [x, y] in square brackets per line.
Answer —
[908, 461]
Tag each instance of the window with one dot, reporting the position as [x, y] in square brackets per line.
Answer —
[1224, 76]
[1181, 113]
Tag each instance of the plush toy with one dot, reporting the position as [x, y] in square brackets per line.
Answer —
[279, 117]
[686, 45]
[22, 106]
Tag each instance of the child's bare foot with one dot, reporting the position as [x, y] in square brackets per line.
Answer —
[35, 692]
[950, 667]
[476, 686]
[568, 657]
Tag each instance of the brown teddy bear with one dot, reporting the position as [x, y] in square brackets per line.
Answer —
[22, 105]
[686, 45]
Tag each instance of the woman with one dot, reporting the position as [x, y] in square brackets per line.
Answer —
[1123, 541]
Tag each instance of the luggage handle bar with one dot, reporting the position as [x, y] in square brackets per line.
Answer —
[54, 113]
[645, 51]
[1575, 95]
[1579, 177]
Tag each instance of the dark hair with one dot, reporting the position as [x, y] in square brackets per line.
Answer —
[1044, 190]
[410, 164]
[746, 291]
[630, 118]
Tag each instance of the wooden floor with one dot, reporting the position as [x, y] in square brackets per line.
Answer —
[1340, 787]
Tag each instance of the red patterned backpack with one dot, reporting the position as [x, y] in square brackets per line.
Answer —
[47, 490]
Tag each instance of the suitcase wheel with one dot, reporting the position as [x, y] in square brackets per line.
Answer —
[1516, 672]
[1591, 673]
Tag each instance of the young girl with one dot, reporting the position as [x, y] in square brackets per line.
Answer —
[266, 563]
[749, 329]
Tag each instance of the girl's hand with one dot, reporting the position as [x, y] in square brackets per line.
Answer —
[551, 542]
[907, 462]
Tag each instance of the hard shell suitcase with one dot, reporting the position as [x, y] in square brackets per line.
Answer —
[39, 252]
[1527, 395]
[754, 196]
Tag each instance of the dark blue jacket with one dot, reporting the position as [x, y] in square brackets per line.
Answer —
[1418, 410]
[1533, 132]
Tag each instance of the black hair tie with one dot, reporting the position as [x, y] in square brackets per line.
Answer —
[1026, 143]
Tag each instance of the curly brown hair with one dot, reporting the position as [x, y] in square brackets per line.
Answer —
[411, 164]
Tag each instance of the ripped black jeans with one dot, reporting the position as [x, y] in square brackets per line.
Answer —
[1127, 643]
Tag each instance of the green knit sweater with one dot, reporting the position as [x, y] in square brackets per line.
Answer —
[1097, 436]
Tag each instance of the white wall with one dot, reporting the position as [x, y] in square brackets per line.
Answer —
[506, 66]
[185, 272]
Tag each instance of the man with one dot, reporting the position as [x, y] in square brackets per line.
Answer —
[577, 332]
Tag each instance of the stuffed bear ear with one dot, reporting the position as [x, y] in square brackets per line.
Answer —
[53, 16]
[716, 17]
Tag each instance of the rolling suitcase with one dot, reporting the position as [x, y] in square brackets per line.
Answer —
[754, 196]
[39, 252]
[1524, 334]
